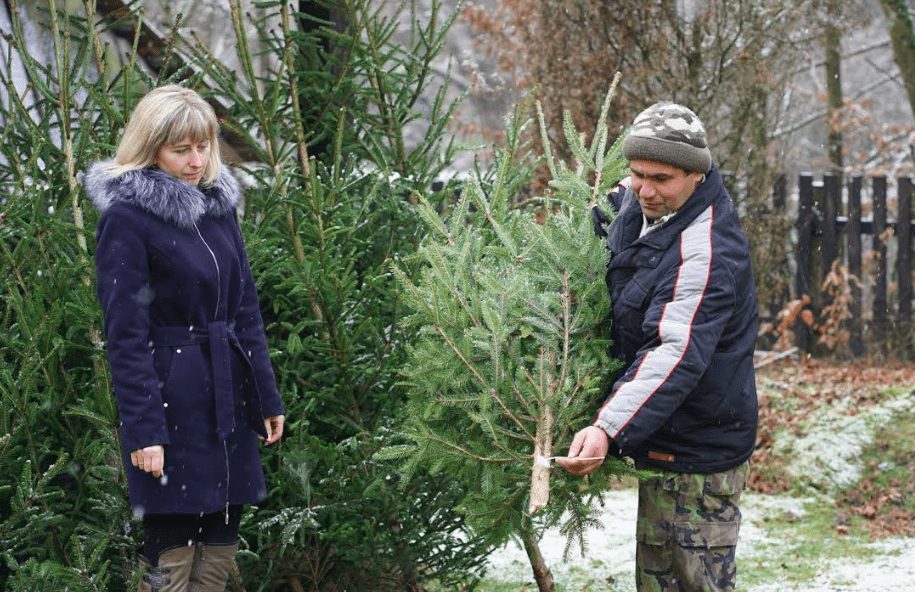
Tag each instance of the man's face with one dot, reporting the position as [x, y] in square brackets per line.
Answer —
[661, 188]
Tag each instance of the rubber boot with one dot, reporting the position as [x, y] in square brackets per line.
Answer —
[172, 572]
[212, 564]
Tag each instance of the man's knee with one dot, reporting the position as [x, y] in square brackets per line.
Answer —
[706, 569]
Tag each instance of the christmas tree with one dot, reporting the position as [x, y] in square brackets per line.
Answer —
[510, 317]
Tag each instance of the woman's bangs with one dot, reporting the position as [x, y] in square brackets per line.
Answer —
[190, 123]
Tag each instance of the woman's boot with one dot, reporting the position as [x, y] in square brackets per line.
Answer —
[172, 572]
[212, 565]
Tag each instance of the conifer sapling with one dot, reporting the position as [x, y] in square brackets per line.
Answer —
[511, 316]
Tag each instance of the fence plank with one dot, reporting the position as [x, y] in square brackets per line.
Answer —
[904, 266]
[878, 248]
[831, 199]
[853, 246]
[804, 241]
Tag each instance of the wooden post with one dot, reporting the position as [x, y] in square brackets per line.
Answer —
[815, 289]
[878, 247]
[853, 243]
[804, 241]
[904, 268]
[831, 198]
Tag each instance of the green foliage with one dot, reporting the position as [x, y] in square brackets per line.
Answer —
[64, 518]
[511, 319]
[330, 205]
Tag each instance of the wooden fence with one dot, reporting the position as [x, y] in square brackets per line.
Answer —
[831, 229]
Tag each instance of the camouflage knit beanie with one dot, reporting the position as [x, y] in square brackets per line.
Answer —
[669, 133]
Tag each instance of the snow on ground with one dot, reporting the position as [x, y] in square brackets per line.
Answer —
[828, 453]
[609, 562]
[893, 570]
[610, 551]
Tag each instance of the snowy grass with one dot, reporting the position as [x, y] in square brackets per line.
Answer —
[788, 543]
[827, 454]
[782, 549]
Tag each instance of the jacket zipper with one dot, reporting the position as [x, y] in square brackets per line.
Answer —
[218, 277]
[215, 318]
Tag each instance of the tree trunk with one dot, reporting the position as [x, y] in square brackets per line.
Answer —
[411, 579]
[900, 27]
[542, 574]
[540, 471]
[833, 42]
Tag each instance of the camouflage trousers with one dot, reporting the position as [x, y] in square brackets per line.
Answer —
[687, 531]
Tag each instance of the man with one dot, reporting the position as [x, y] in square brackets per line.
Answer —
[685, 323]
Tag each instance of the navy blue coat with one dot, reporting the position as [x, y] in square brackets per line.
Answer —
[185, 338]
[685, 323]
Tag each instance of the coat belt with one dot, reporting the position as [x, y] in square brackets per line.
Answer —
[221, 336]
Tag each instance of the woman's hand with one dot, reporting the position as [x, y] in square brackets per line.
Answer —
[274, 427]
[150, 459]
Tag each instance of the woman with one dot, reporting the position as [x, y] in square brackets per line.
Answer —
[185, 339]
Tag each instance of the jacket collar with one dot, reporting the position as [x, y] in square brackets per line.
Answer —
[161, 194]
[631, 215]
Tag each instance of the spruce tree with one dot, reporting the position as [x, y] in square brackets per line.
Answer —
[511, 350]
[330, 172]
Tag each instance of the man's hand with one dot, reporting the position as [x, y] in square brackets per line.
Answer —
[590, 443]
[274, 427]
[150, 459]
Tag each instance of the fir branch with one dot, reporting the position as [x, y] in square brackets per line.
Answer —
[545, 140]
[597, 193]
[566, 298]
[463, 359]
[466, 453]
[473, 317]
[599, 149]
[523, 400]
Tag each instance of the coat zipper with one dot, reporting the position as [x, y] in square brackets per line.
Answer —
[215, 318]
[218, 277]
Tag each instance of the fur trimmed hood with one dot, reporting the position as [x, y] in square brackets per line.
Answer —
[161, 194]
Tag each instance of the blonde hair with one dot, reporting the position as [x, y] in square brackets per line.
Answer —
[167, 115]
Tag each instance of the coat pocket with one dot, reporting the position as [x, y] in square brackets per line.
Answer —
[706, 535]
[633, 296]
[188, 394]
[162, 364]
[629, 313]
